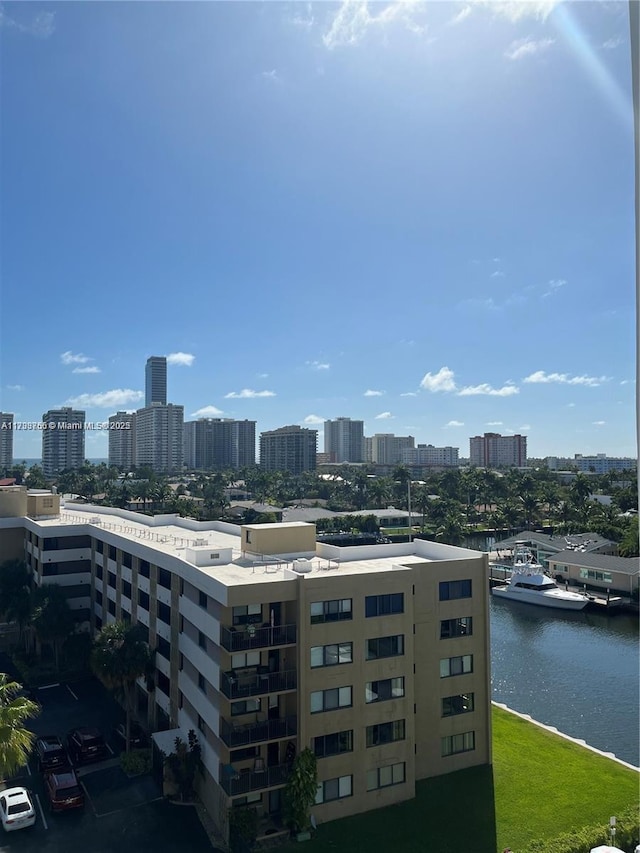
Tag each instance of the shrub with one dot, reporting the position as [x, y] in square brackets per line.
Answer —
[243, 828]
[137, 762]
[585, 839]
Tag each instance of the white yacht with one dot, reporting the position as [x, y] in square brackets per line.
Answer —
[529, 584]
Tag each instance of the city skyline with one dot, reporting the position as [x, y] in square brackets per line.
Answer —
[415, 215]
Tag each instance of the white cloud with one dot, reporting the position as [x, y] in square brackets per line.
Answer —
[517, 10]
[15, 387]
[494, 423]
[313, 419]
[443, 380]
[271, 75]
[262, 375]
[524, 427]
[409, 394]
[384, 416]
[41, 25]
[247, 394]
[599, 423]
[454, 424]
[370, 393]
[554, 285]
[86, 370]
[115, 399]
[462, 15]
[74, 358]
[206, 412]
[540, 377]
[305, 23]
[571, 405]
[183, 359]
[484, 388]
[353, 19]
[497, 274]
[611, 44]
[318, 365]
[521, 48]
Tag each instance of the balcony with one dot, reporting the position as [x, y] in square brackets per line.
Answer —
[242, 735]
[238, 685]
[252, 637]
[242, 782]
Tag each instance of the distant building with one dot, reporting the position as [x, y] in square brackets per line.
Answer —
[387, 448]
[6, 440]
[122, 440]
[159, 437]
[344, 440]
[290, 448]
[619, 575]
[427, 454]
[215, 443]
[156, 380]
[62, 440]
[602, 464]
[492, 450]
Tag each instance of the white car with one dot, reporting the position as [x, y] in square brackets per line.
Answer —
[16, 809]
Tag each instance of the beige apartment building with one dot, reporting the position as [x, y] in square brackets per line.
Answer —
[375, 657]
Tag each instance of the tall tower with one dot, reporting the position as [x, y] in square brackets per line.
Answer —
[156, 380]
[6, 440]
[62, 440]
[344, 440]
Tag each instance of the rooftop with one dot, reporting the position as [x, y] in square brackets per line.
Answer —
[603, 562]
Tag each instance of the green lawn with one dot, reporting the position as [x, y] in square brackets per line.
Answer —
[540, 786]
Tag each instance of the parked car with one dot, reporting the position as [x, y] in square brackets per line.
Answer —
[137, 735]
[86, 744]
[16, 809]
[63, 790]
[51, 753]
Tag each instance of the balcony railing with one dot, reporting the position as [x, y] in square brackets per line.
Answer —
[256, 732]
[252, 637]
[243, 781]
[238, 685]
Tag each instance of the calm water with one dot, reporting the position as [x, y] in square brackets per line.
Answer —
[576, 671]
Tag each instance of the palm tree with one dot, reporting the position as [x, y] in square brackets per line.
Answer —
[52, 617]
[121, 656]
[15, 740]
[16, 599]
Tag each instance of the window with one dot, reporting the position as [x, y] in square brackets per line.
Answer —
[201, 724]
[99, 546]
[380, 691]
[592, 575]
[143, 630]
[98, 623]
[144, 568]
[203, 599]
[456, 628]
[248, 706]
[202, 640]
[334, 789]
[126, 559]
[385, 733]
[456, 666]
[449, 590]
[333, 744]
[163, 683]
[164, 578]
[202, 684]
[331, 655]
[385, 647]
[247, 614]
[453, 705]
[111, 607]
[164, 612]
[243, 661]
[50, 569]
[99, 572]
[112, 552]
[111, 580]
[242, 754]
[126, 589]
[164, 648]
[143, 600]
[50, 544]
[384, 777]
[383, 605]
[453, 744]
[330, 611]
[329, 700]
[98, 597]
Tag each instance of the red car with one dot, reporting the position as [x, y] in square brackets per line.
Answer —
[63, 790]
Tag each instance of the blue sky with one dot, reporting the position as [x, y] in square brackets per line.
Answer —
[420, 215]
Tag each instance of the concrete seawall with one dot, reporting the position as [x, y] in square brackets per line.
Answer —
[577, 741]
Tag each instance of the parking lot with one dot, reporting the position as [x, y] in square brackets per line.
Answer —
[121, 815]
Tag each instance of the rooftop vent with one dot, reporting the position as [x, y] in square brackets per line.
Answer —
[200, 541]
[302, 566]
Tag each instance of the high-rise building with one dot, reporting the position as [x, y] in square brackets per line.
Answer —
[602, 464]
[493, 450]
[62, 440]
[290, 448]
[427, 454]
[216, 443]
[122, 440]
[159, 437]
[344, 440]
[6, 440]
[386, 448]
[378, 662]
[156, 380]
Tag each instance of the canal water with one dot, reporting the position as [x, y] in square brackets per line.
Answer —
[579, 672]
